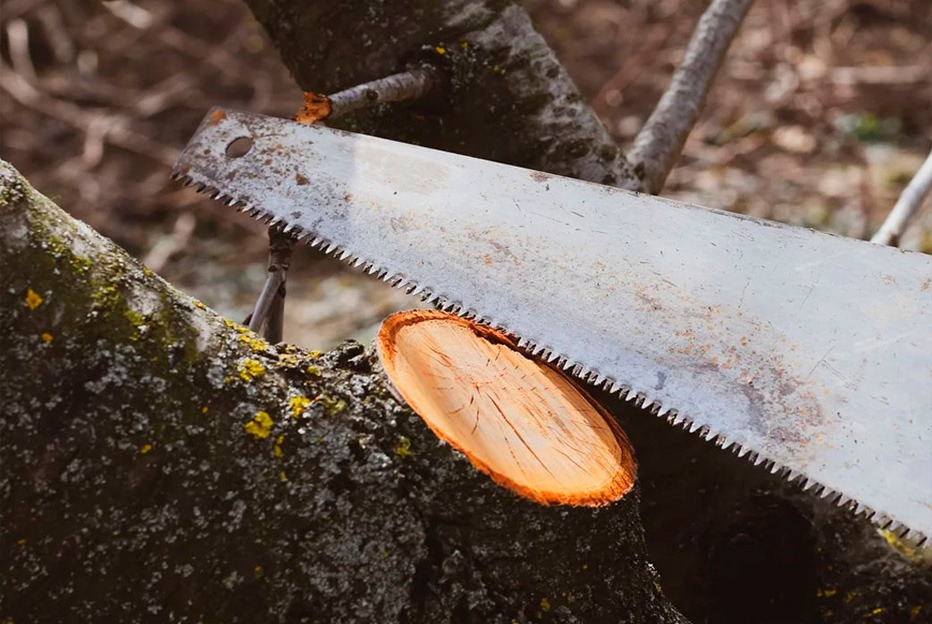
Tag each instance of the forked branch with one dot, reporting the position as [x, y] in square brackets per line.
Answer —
[658, 145]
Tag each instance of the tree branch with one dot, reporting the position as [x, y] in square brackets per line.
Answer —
[659, 143]
[906, 206]
[400, 87]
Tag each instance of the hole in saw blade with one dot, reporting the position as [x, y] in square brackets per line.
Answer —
[239, 147]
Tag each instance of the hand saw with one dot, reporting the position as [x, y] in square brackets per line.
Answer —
[811, 352]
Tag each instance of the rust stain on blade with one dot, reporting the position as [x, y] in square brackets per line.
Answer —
[216, 117]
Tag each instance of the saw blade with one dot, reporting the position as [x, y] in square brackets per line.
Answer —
[808, 352]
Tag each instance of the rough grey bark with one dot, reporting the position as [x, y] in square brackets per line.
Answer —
[161, 463]
[508, 99]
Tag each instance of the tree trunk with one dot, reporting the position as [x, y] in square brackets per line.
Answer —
[507, 97]
[163, 464]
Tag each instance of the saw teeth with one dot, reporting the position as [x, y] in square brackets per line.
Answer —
[610, 385]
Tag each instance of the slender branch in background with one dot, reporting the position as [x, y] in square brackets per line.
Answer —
[117, 132]
[271, 303]
[168, 246]
[264, 303]
[906, 206]
[658, 145]
[275, 326]
[408, 85]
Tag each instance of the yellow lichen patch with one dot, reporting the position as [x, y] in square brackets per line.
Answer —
[234, 325]
[255, 343]
[544, 604]
[332, 406]
[913, 554]
[251, 369]
[287, 359]
[260, 427]
[403, 450]
[313, 370]
[440, 50]
[915, 611]
[277, 449]
[204, 410]
[826, 593]
[247, 336]
[145, 448]
[282, 476]
[47, 337]
[876, 611]
[33, 299]
[198, 304]
[315, 354]
[299, 405]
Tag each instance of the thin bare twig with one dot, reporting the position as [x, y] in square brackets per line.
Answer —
[660, 142]
[906, 206]
[270, 306]
[163, 250]
[264, 302]
[408, 85]
[17, 34]
[117, 133]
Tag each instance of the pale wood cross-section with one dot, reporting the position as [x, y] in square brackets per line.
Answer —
[524, 423]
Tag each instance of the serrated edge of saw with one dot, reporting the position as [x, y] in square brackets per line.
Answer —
[639, 399]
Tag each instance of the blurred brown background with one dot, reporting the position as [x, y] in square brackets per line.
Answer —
[821, 115]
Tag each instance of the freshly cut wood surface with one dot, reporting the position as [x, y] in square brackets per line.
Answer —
[522, 422]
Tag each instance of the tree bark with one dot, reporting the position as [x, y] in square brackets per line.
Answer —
[507, 98]
[164, 464]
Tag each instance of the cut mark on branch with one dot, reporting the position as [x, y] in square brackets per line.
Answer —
[522, 422]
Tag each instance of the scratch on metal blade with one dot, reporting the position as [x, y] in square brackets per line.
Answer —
[577, 369]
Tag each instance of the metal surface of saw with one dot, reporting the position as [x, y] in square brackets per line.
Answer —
[812, 351]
